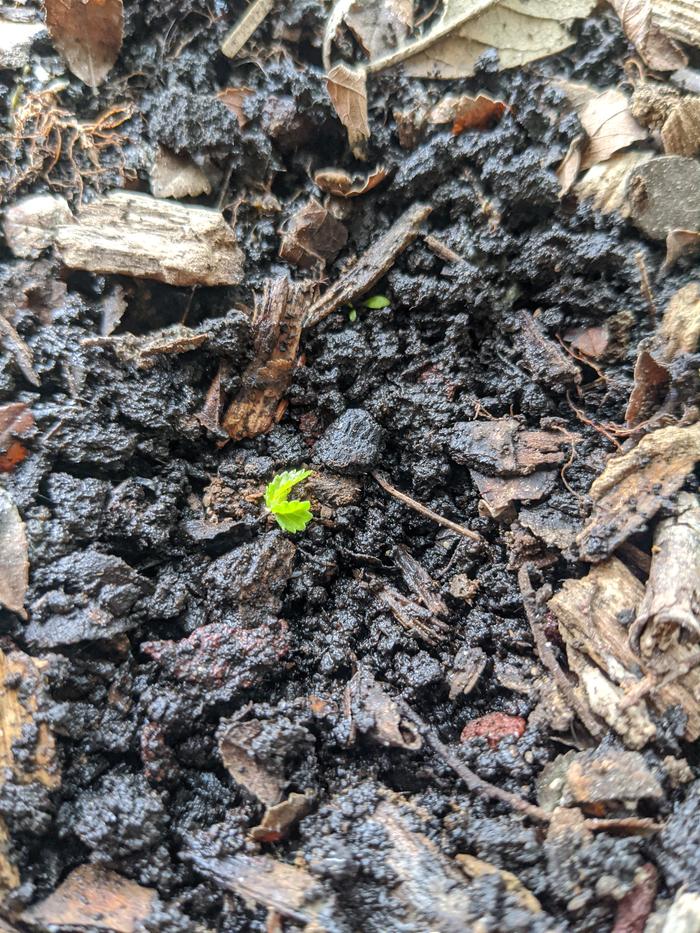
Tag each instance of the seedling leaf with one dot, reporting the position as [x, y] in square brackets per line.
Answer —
[291, 515]
[376, 301]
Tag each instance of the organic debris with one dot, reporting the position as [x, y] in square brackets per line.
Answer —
[657, 50]
[343, 185]
[14, 562]
[177, 176]
[246, 26]
[30, 225]
[348, 94]
[371, 711]
[16, 421]
[137, 235]
[663, 194]
[313, 237]
[468, 113]
[87, 34]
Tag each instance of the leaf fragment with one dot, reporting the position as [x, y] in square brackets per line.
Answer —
[313, 237]
[14, 559]
[340, 183]
[347, 89]
[468, 113]
[177, 176]
[655, 47]
[88, 34]
[609, 125]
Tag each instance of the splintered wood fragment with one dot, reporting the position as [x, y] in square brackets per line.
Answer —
[424, 510]
[277, 324]
[288, 889]
[472, 780]
[246, 26]
[419, 580]
[546, 656]
[95, 898]
[591, 612]
[371, 266]
[134, 234]
[441, 249]
[23, 356]
[414, 618]
[672, 598]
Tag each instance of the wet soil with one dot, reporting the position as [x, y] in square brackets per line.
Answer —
[158, 629]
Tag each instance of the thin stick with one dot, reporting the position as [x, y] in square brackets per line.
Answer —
[246, 26]
[546, 655]
[441, 249]
[472, 780]
[424, 510]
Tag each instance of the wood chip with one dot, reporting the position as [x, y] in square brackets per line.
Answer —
[14, 560]
[277, 325]
[671, 605]
[279, 819]
[313, 237]
[679, 19]
[246, 26]
[663, 194]
[30, 224]
[340, 183]
[680, 133]
[657, 50]
[680, 243]
[236, 740]
[371, 266]
[504, 447]
[88, 34]
[634, 486]
[95, 898]
[371, 711]
[141, 236]
[348, 93]
[590, 613]
[177, 176]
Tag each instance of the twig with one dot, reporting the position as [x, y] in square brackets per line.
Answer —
[650, 683]
[424, 510]
[441, 249]
[472, 780]
[546, 655]
[246, 26]
[645, 286]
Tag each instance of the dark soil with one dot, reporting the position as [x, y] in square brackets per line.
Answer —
[195, 627]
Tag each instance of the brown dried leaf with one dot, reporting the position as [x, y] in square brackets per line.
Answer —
[177, 176]
[467, 113]
[16, 420]
[499, 494]
[680, 243]
[313, 237]
[680, 133]
[14, 560]
[590, 341]
[348, 93]
[235, 746]
[609, 126]
[679, 19]
[373, 712]
[95, 898]
[650, 382]
[280, 818]
[606, 182]
[634, 485]
[380, 25]
[340, 183]
[656, 49]
[234, 99]
[568, 168]
[88, 34]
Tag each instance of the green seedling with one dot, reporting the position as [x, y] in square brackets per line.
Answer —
[376, 302]
[291, 514]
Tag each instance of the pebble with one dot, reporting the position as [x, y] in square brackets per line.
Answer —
[352, 443]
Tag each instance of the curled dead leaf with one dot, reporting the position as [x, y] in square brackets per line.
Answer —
[609, 125]
[606, 182]
[343, 185]
[234, 98]
[348, 93]
[88, 34]
[468, 113]
[313, 236]
[568, 169]
[641, 28]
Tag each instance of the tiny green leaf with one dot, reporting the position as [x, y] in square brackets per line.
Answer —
[376, 301]
[352, 316]
[291, 515]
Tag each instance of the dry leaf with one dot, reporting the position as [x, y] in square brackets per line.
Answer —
[177, 176]
[568, 169]
[348, 93]
[16, 420]
[679, 331]
[655, 48]
[280, 818]
[679, 243]
[606, 182]
[650, 382]
[234, 98]
[14, 560]
[380, 25]
[609, 126]
[591, 341]
[88, 34]
[520, 30]
[313, 236]
[634, 486]
[468, 113]
[679, 19]
[340, 183]
[680, 133]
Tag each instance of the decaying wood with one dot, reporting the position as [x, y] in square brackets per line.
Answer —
[371, 266]
[543, 359]
[141, 350]
[288, 889]
[590, 613]
[235, 747]
[95, 898]
[419, 580]
[246, 26]
[680, 19]
[279, 819]
[137, 235]
[424, 510]
[671, 603]
[371, 711]
[505, 447]
[413, 617]
[14, 560]
[634, 485]
[277, 325]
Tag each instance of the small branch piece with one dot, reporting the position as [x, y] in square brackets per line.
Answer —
[370, 267]
[246, 26]
[424, 510]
